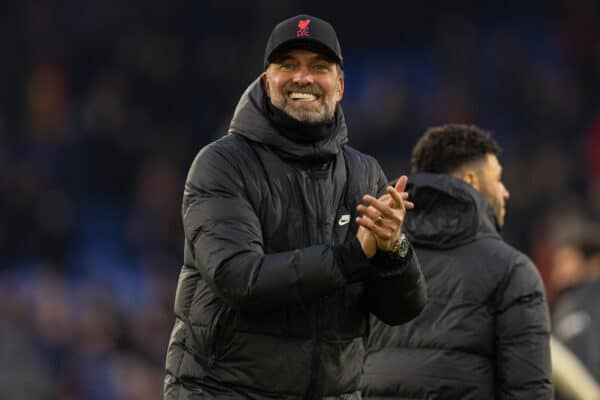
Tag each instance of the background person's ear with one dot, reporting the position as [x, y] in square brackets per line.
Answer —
[471, 177]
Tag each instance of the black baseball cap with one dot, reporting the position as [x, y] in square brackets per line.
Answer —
[304, 31]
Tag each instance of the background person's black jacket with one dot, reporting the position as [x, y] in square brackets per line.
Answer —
[576, 322]
[274, 297]
[484, 333]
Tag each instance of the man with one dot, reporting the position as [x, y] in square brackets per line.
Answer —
[484, 333]
[279, 279]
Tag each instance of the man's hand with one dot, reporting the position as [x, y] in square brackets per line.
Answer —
[381, 221]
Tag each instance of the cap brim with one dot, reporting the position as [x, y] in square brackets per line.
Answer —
[305, 44]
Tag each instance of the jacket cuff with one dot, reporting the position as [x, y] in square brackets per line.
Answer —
[387, 262]
[354, 264]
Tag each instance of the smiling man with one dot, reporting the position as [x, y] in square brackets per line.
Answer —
[292, 240]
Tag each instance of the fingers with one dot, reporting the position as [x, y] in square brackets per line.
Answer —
[384, 216]
[382, 208]
[384, 228]
[378, 217]
[397, 197]
[401, 183]
[398, 193]
[405, 202]
[381, 231]
[370, 212]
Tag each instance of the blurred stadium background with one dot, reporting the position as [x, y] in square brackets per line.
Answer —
[104, 103]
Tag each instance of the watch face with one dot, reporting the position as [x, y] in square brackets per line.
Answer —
[403, 247]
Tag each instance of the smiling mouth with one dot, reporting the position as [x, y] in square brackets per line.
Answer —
[301, 96]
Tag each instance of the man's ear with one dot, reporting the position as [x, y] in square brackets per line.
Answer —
[470, 177]
[265, 83]
[340, 91]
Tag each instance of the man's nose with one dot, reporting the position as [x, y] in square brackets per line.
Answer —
[303, 75]
[506, 193]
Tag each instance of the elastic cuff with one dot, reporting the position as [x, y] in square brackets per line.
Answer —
[385, 261]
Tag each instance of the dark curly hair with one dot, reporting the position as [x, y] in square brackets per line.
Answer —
[445, 148]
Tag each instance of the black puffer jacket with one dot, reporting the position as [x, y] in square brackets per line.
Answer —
[484, 333]
[274, 297]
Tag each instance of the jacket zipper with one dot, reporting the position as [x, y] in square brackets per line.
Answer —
[312, 391]
[316, 353]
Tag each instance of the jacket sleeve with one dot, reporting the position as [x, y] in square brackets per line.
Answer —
[396, 291]
[226, 235]
[523, 335]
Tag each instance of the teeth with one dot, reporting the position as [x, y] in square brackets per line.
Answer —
[302, 96]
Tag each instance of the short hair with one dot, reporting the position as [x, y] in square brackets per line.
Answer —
[446, 148]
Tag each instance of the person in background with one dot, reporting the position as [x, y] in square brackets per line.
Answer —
[485, 331]
[292, 240]
[575, 313]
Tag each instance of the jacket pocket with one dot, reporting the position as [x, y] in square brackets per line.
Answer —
[217, 333]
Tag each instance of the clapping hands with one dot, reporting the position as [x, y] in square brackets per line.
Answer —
[381, 220]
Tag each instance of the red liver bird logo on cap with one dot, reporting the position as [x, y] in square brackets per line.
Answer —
[303, 28]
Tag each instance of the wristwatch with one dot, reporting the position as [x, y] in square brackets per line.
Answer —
[400, 248]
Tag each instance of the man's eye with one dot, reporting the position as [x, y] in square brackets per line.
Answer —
[320, 67]
[287, 66]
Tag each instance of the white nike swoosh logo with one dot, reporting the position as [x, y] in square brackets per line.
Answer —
[344, 219]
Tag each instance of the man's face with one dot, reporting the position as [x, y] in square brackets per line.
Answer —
[491, 186]
[305, 85]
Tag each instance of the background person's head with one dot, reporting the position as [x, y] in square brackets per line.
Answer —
[303, 69]
[465, 152]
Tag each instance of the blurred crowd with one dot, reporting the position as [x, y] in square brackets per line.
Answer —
[105, 103]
